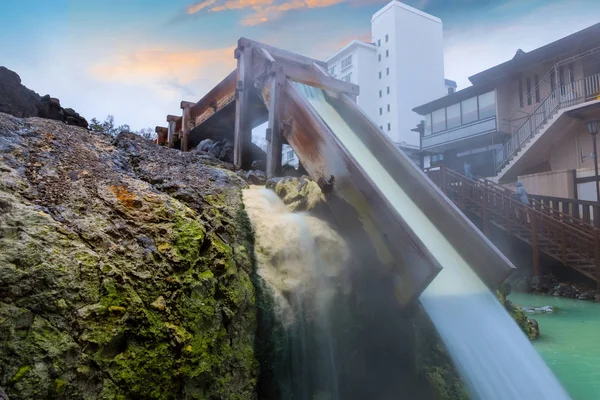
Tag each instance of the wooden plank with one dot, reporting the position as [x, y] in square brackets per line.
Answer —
[275, 138]
[485, 259]
[243, 129]
[224, 89]
[311, 77]
[380, 237]
[279, 54]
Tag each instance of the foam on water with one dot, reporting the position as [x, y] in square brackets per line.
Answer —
[495, 358]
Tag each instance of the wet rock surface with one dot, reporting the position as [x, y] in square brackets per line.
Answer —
[124, 269]
[17, 100]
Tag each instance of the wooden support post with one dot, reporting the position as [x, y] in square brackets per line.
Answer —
[171, 134]
[534, 244]
[275, 136]
[161, 135]
[484, 211]
[243, 129]
[597, 256]
[185, 128]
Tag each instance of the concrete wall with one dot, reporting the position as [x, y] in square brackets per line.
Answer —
[566, 153]
[553, 183]
[509, 109]
[366, 59]
[416, 62]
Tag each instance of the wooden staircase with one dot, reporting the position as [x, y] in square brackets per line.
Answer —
[570, 240]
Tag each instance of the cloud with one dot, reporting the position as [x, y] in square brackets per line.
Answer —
[475, 47]
[153, 64]
[264, 10]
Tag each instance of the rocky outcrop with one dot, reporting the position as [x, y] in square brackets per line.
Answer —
[300, 194]
[223, 150]
[528, 326]
[124, 269]
[17, 100]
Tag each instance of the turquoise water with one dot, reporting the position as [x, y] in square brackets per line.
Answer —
[569, 342]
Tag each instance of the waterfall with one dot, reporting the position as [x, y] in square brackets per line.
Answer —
[494, 357]
[301, 260]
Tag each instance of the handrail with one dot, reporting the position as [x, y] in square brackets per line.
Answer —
[561, 97]
[463, 178]
[575, 245]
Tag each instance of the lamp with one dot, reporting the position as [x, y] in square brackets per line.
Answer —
[593, 127]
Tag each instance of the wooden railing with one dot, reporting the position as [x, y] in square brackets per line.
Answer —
[563, 96]
[569, 240]
[572, 210]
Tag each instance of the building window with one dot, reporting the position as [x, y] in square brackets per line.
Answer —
[386, 38]
[347, 77]
[332, 70]
[388, 90]
[469, 110]
[290, 154]
[521, 104]
[528, 91]
[387, 53]
[387, 71]
[427, 125]
[380, 94]
[381, 127]
[537, 88]
[439, 120]
[487, 105]
[388, 108]
[389, 126]
[453, 116]
[378, 42]
[346, 62]
[380, 111]
[379, 74]
[436, 159]
[450, 90]
[379, 58]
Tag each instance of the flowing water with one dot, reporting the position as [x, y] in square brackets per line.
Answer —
[568, 341]
[494, 357]
[337, 332]
[301, 259]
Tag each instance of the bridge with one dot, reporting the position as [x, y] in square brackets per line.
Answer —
[378, 197]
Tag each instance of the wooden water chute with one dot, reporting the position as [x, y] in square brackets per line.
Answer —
[262, 89]
[361, 212]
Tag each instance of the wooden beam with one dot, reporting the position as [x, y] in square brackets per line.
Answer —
[311, 77]
[186, 125]
[274, 133]
[184, 104]
[222, 90]
[243, 128]
[278, 54]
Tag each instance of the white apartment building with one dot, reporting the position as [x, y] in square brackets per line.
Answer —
[402, 68]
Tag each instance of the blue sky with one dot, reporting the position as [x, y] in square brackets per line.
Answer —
[137, 59]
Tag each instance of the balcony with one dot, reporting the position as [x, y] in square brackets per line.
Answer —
[463, 132]
[474, 117]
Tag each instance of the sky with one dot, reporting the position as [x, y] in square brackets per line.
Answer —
[137, 59]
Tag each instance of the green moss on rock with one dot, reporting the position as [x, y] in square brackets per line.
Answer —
[84, 259]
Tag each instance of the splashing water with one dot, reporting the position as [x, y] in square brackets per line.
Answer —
[301, 259]
[494, 357]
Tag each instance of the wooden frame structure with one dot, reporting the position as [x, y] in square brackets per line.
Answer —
[261, 89]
